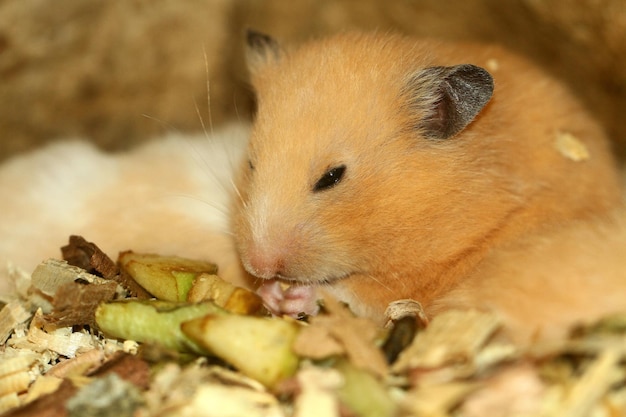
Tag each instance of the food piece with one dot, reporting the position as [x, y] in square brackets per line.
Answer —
[178, 279]
[153, 321]
[363, 393]
[166, 277]
[259, 347]
[224, 294]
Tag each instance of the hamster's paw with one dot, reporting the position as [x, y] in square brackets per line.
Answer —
[292, 301]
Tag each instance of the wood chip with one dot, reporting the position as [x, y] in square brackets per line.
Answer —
[88, 256]
[43, 385]
[16, 382]
[356, 335]
[594, 384]
[233, 402]
[75, 303]
[437, 400]
[62, 341]
[317, 396]
[134, 289]
[52, 274]
[453, 336]
[11, 316]
[8, 402]
[79, 365]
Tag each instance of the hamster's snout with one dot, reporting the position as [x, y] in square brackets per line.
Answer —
[281, 290]
[264, 262]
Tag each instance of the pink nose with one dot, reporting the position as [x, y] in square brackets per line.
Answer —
[264, 263]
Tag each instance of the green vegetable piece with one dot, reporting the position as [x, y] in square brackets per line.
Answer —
[153, 321]
[184, 282]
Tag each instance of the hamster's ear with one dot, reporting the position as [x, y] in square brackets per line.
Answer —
[261, 49]
[448, 98]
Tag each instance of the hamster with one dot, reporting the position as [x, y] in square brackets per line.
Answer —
[378, 168]
[382, 167]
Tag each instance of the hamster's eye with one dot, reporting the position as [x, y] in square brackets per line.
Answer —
[330, 178]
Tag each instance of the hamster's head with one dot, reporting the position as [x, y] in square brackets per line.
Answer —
[352, 163]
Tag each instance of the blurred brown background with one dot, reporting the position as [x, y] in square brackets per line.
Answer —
[121, 71]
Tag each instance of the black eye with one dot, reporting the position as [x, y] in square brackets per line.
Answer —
[330, 178]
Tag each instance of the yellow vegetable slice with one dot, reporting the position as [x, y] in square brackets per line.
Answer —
[166, 277]
[259, 347]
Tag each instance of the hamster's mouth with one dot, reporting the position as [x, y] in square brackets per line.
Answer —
[291, 298]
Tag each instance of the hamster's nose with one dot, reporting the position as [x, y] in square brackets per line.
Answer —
[265, 263]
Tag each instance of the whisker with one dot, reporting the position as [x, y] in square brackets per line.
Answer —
[169, 127]
[238, 193]
[208, 87]
[201, 119]
[379, 282]
[222, 208]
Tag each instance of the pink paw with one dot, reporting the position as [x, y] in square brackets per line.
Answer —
[293, 301]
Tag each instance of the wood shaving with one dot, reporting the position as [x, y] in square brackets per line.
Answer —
[342, 333]
[453, 337]
[317, 397]
[11, 315]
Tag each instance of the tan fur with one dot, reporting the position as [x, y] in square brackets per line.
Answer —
[543, 283]
[416, 217]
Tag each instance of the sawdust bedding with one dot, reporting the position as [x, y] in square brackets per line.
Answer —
[56, 359]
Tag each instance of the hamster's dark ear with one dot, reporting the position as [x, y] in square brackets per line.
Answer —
[448, 98]
[261, 49]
